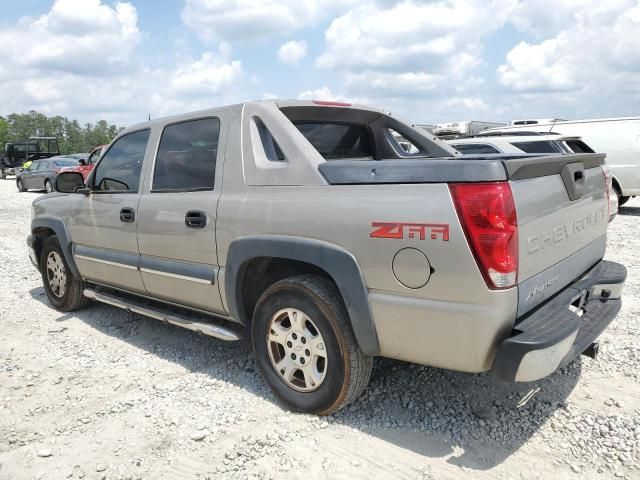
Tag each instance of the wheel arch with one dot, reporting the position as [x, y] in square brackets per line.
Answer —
[314, 257]
[617, 186]
[43, 227]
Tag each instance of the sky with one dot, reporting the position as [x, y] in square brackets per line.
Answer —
[426, 61]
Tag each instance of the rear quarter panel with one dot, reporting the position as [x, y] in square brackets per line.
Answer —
[453, 313]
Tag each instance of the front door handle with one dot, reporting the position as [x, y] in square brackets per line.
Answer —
[127, 215]
[195, 219]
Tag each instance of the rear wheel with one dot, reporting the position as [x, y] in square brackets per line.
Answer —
[64, 290]
[622, 200]
[20, 185]
[48, 186]
[305, 347]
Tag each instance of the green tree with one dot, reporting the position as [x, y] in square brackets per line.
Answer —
[72, 138]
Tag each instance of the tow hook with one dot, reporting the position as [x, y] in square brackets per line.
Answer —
[592, 350]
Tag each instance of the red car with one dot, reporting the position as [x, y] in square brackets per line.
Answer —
[91, 161]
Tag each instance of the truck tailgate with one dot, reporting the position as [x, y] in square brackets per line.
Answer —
[562, 208]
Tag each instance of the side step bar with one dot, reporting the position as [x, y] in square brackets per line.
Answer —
[206, 328]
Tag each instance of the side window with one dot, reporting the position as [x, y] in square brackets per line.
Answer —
[34, 166]
[187, 156]
[120, 168]
[475, 148]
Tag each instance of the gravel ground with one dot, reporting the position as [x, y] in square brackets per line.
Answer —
[103, 394]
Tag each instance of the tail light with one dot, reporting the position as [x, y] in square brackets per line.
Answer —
[612, 197]
[487, 213]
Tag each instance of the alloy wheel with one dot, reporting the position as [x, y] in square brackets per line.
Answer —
[56, 274]
[297, 350]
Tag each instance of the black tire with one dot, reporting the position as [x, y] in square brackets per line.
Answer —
[3, 173]
[20, 185]
[348, 369]
[48, 186]
[72, 297]
[622, 200]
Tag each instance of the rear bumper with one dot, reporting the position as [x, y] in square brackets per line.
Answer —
[555, 333]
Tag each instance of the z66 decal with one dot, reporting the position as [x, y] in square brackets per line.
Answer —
[399, 231]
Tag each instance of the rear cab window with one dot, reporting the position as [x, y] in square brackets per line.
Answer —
[338, 140]
[338, 133]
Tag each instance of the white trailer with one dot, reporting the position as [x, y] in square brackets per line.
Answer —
[619, 138]
[457, 129]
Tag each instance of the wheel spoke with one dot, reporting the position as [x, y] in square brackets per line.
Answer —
[311, 377]
[317, 346]
[277, 335]
[286, 368]
[295, 318]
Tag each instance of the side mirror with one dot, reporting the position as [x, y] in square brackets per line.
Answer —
[70, 182]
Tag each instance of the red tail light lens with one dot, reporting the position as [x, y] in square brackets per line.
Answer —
[488, 216]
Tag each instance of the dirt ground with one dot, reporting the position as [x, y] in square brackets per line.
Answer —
[103, 394]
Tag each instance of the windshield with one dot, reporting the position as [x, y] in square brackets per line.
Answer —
[65, 163]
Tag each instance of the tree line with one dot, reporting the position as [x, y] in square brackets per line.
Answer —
[72, 137]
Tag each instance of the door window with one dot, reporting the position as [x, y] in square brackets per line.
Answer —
[120, 168]
[186, 157]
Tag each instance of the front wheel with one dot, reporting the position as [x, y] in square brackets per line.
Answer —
[305, 347]
[64, 290]
[48, 186]
[20, 185]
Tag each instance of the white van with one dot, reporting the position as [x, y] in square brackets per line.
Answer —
[619, 138]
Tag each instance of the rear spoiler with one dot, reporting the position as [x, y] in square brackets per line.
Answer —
[488, 168]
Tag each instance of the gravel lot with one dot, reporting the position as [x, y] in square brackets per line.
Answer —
[104, 394]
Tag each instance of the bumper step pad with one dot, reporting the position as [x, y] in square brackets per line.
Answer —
[555, 334]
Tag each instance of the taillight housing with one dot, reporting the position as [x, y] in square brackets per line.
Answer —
[488, 216]
[612, 196]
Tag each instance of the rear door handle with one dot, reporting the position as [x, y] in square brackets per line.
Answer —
[127, 215]
[195, 219]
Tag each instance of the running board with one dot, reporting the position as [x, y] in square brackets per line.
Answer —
[206, 328]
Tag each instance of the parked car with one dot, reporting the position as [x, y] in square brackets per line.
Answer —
[306, 226]
[619, 138]
[41, 174]
[87, 165]
[18, 153]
